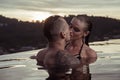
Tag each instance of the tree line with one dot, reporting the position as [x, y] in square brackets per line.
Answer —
[15, 34]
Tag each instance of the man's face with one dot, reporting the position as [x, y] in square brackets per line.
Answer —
[77, 29]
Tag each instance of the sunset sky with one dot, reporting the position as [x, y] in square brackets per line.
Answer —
[28, 10]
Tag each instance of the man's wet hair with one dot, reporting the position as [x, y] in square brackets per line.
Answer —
[53, 26]
[48, 25]
[87, 20]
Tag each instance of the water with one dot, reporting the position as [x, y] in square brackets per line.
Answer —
[107, 67]
[19, 66]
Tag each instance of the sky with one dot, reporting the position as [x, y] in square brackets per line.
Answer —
[28, 10]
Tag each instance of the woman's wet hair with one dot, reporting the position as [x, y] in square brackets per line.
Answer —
[88, 27]
[48, 26]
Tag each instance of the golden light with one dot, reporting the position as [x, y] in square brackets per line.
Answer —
[39, 16]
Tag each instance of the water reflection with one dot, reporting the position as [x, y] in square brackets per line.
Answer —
[11, 65]
[12, 60]
[82, 72]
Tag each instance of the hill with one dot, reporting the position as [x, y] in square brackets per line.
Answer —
[18, 35]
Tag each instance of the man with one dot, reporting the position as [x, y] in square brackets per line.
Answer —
[81, 27]
[55, 59]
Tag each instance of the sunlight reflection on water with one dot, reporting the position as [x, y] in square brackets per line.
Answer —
[20, 67]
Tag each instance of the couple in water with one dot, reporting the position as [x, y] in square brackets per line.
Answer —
[67, 56]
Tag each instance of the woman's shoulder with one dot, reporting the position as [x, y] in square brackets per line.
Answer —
[90, 51]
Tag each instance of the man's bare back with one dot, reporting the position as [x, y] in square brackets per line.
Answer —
[57, 62]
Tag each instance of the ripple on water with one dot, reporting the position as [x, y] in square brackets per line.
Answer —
[19, 59]
[12, 66]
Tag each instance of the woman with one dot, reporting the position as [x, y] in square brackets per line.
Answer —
[80, 31]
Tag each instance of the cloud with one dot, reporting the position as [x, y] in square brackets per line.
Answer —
[43, 5]
[95, 7]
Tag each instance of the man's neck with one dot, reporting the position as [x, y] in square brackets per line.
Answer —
[60, 44]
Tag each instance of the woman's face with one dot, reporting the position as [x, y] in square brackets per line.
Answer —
[77, 29]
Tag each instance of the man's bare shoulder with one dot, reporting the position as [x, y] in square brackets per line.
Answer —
[41, 53]
[38, 54]
[40, 57]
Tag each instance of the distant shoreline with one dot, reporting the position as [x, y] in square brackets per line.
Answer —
[109, 46]
[99, 46]
[111, 41]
